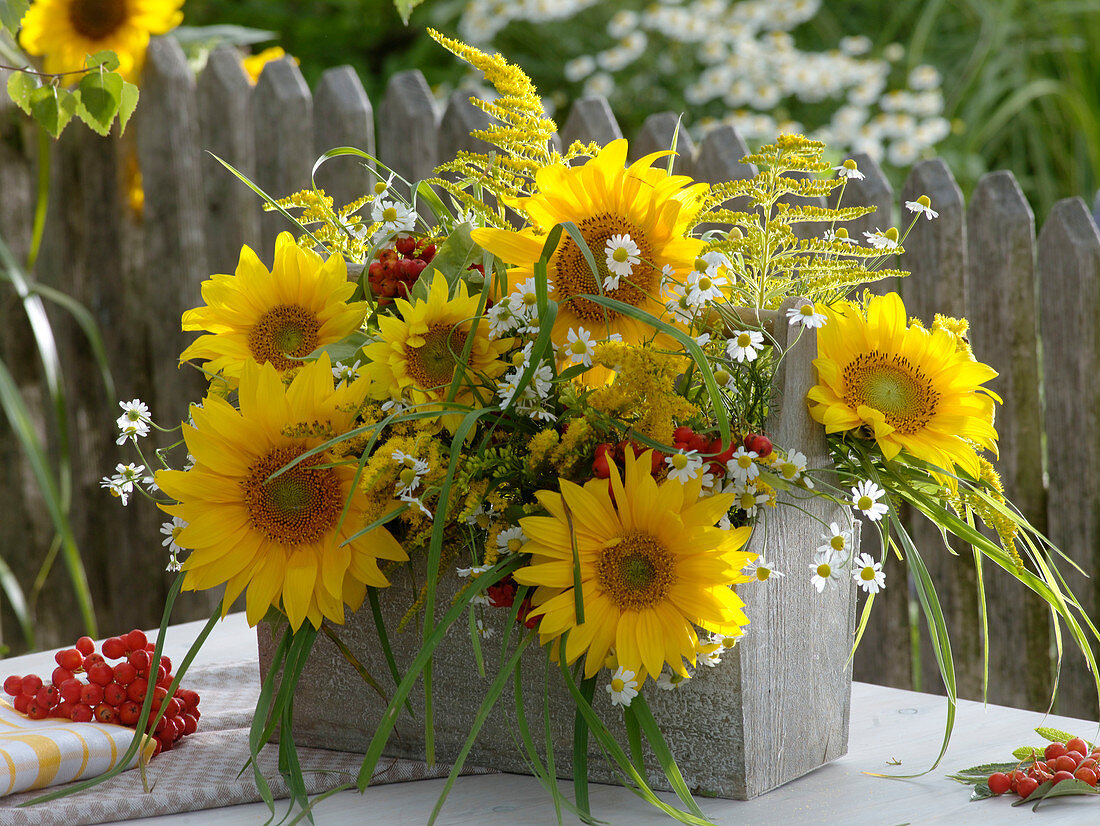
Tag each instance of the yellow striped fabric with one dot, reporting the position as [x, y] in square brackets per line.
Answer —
[39, 753]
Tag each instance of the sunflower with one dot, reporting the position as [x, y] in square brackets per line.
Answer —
[65, 31]
[907, 387]
[604, 200]
[286, 539]
[652, 567]
[418, 354]
[279, 317]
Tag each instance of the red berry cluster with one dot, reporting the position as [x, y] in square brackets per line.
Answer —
[1062, 761]
[607, 453]
[112, 694]
[685, 439]
[503, 595]
[394, 271]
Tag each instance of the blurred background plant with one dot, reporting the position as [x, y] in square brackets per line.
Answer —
[985, 84]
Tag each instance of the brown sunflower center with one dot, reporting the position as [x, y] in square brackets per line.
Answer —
[433, 363]
[284, 335]
[893, 386]
[574, 276]
[298, 506]
[636, 572]
[97, 19]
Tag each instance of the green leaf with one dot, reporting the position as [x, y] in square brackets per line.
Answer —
[405, 7]
[20, 87]
[1051, 789]
[980, 773]
[1028, 753]
[106, 60]
[452, 259]
[52, 108]
[99, 96]
[981, 791]
[210, 36]
[343, 350]
[11, 13]
[1053, 734]
[127, 105]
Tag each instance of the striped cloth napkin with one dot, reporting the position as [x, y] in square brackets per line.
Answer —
[39, 753]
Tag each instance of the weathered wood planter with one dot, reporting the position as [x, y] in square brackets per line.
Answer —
[776, 707]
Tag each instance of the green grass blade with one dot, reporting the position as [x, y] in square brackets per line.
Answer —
[384, 641]
[640, 711]
[17, 601]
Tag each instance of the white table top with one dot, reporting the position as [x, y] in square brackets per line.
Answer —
[887, 724]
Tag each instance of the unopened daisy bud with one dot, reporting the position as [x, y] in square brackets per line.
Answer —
[841, 232]
[380, 188]
[735, 234]
[892, 234]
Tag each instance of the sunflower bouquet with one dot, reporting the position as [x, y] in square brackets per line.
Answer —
[543, 395]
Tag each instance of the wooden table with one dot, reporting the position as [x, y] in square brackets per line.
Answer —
[887, 725]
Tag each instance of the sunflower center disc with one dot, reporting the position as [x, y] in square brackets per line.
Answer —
[298, 506]
[574, 276]
[891, 385]
[96, 19]
[433, 363]
[284, 335]
[637, 572]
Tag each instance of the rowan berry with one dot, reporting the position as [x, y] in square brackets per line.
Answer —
[114, 694]
[20, 702]
[60, 675]
[125, 673]
[101, 673]
[136, 690]
[1026, 786]
[70, 690]
[136, 639]
[758, 443]
[1059, 776]
[114, 648]
[129, 712]
[37, 711]
[1077, 744]
[191, 724]
[1065, 763]
[140, 660]
[69, 658]
[1054, 750]
[999, 782]
[82, 713]
[91, 694]
[64, 710]
[1086, 774]
[106, 713]
[92, 659]
[31, 684]
[85, 645]
[13, 685]
[48, 696]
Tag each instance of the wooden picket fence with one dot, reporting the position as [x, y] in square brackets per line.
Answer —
[137, 272]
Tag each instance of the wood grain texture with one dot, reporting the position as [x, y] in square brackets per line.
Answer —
[1001, 302]
[407, 134]
[1069, 278]
[282, 115]
[874, 190]
[231, 211]
[343, 116]
[590, 119]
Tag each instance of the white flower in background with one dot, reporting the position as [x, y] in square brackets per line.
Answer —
[710, 263]
[924, 77]
[121, 485]
[868, 574]
[848, 169]
[865, 498]
[473, 571]
[703, 340]
[579, 346]
[882, 239]
[511, 540]
[709, 650]
[417, 502]
[483, 631]
[678, 306]
[134, 411]
[579, 68]
[838, 541]
[840, 236]
[922, 206]
[684, 466]
[761, 570]
[131, 430]
[669, 680]
[807, 315]
[742, 465]
[623, 687]
[393, 216]
[171, 531]
[791, 466]
[502, 319]
[412, 471]
[381, 187]
[745, 345]
[826, 569]
[668, 277]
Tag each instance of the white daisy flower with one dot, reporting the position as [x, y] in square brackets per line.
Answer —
[848, 169]
[579, 346]
[865, 498]
[840, 236]
[868, 574]
[745, 345]
[474, 571]
[620, 255]
[134, 411]
[393, 216]
[761, 570]
[382, 187]
[346, 372]
[826, 570]
[742, 467]
[668, 277]
[882, 240]
[704, 287]
[709, 263]
[807, 315]
[483, 631]
[502, 319]
[511, 540]
[669, 680]
[623, 687]
[922, 206]
[791, 466]
[678, 306]
[684, 466]
[709, 650]
[837, 540]
[171, 531]
[130, 430]
[748, 499]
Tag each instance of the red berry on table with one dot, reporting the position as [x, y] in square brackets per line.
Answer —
[106, 714]
[13, 685]
[125, 673]
[37, 711]
[64, 710]
[91, 694]
[114, 694]
[129, 712]
[70, 690]
[1086, 774]
[1065, 763]
[101, 673]
[82, 713]
[1026, 786]
[140, 660]
[1054, 750]
[1059, 776]
[92, 659]
[191, 724]
[114, 648]
[70, 658]
[31, 684]
[85, 645]
[136, 639]
[60, 675]
[21, 702]
[999, 782]
[1077, 744]
[136, 690]
[1076, 756]
[48, 696]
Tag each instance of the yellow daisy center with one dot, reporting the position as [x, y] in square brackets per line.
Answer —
[806, 309]
[282, 335]
[97, 19]
[617, 685]
[433, 363]
[747, 501]
[837, 542]
[867, 574]
[574, 277]
[636, 572]
[744, 340]
[701, 265]
[298, 506]
[515, 544]
[380, 187]
[893, 386]
[788, 469]
[578, 348]
[620, 254]
[389, 214]
[865, 503]
[824, 570]
[679, 461]
[763, 573]
[407, 476]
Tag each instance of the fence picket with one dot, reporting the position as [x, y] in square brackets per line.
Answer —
[231, 214]
[591, 119]
[282, 114]
[342, 116]
[1069, 275]
[407, 127]
[656, 135]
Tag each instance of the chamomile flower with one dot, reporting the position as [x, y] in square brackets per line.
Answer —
[791, 466]
[668, 277]
[703, 287]
[868, 574]
[511, 540]
[579, 346]
[623, 687]
[807, 315]
[742, 465]
[761, 570]
[134, 411]
[837, 540]
[346, 372]
[484, 631]
[131, 430]
[684, 466]
[922, 206]
[709, 650]
[171, 531]
[826, 569]
[473, 572]
[669, 680]
[865, 498]
[840, 236]
[748, 499]
[883, 239]
[745, 345]
[711, 262]
[381, 187]
[121, 485]
[621, 254]
[849, 170]
[393, 217]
